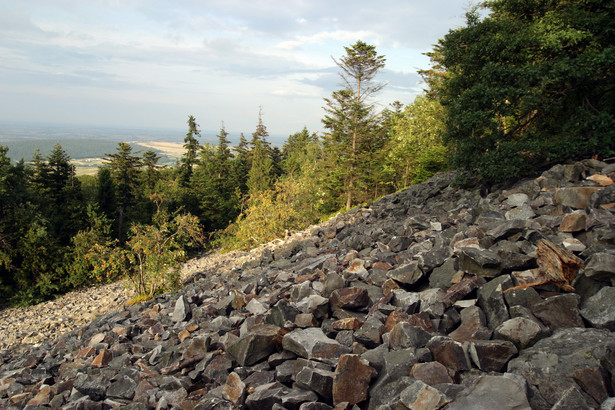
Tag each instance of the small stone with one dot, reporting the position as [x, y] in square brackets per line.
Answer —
[599, 179]
[573, 245]
[473, 325]
[234, 389]
[573, 222]
[183, 335]
[123, 388]
[404, 335]
[523, 212]
[389, 286]
[43, 397]
[304, 320]
[370, 333]
[255, 307]
[96, 339]
[182, 311]
[421, 396]
[103, 358]
[518, 199]
[349, 323]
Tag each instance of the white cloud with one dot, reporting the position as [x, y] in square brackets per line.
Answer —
[221, 59]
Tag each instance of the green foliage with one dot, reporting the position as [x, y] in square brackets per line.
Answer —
[154, 253]
[416, 151]
[192, 146]
[271, 213]
[354, 138]
[124, 169]
[83, 267]
[529, 85]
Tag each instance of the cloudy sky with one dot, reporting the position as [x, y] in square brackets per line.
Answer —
[151, 63]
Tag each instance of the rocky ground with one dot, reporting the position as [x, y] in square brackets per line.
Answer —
[434, 297]
[29, 326]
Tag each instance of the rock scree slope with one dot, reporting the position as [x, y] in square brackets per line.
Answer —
[435, 297]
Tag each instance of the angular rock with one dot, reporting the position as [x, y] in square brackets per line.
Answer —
[313, 344]
[182, 311]
[409, 302]
[505, 392]
[255, 346]
[349, 298]
[472, 326]
[295, 398]
[351, 379]
[523, 212]
[317, 380]
[575, 197]
[369, 334]
[574, 222]
[559, 311]
[491, 355]
[479, 262]
[432, 373]
[123, 388]
[266, 396]
[520, 331]
[388, 394]
[422, 396]
[404, 335]
[599, 310]
[408, 273]
[281, 313]
[255, 307]
[234, 389]
[102, 359]
[551, 364]
[491, 299]
[601, 266]
[449, 353]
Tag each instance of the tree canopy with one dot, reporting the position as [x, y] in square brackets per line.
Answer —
[531, 84]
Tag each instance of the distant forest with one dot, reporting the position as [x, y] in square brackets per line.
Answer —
[76, 148]
[530, 85]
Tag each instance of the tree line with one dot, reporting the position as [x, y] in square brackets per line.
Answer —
[530, 84]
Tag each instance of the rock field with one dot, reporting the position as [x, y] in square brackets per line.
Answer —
[436, 297]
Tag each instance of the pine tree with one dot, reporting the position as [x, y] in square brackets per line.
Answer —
[351, 124]
[241, 166]
[150, 162]
[192, 147]
[124, 167]
[262, 172]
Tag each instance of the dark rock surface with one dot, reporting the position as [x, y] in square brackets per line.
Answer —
[413, 301]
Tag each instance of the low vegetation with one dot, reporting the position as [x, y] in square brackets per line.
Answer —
[510, 93]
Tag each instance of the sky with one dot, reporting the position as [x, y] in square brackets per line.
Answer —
[152, 63]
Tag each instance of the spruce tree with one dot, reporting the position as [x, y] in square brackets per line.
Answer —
[192, 147]
[124, 167]
[352, 125]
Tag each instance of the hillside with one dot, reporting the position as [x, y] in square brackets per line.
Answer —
[406, 302]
